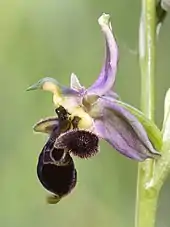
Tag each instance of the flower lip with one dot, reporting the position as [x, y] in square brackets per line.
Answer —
[59, 180]
[55, 168]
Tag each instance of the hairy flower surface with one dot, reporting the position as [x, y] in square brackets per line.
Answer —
[97, 106]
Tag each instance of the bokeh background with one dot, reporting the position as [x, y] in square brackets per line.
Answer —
[41, 38]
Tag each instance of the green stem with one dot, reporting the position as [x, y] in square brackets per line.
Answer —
[162, 168]
[146, 198]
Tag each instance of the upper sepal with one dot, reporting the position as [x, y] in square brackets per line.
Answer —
[107, 75]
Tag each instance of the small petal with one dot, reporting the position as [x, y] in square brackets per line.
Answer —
[124, 132]
[75, 83]
[46, 125]
[106, 78]
[81, 143]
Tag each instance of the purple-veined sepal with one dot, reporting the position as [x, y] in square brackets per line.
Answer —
[123, 131]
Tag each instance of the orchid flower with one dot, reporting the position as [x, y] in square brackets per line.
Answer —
[98, 108]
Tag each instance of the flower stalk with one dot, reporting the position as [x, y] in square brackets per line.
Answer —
[146, 200]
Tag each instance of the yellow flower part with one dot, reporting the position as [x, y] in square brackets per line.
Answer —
[72, 104]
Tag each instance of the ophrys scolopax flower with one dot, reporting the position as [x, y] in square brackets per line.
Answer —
[98, 107]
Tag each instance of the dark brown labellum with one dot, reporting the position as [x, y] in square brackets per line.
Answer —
[59, 180]
[55, 168]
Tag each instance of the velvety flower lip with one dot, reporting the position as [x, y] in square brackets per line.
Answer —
[55, 168]
[59, 180]
[97, 106]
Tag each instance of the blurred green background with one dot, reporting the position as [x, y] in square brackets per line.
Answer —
[54, 38]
